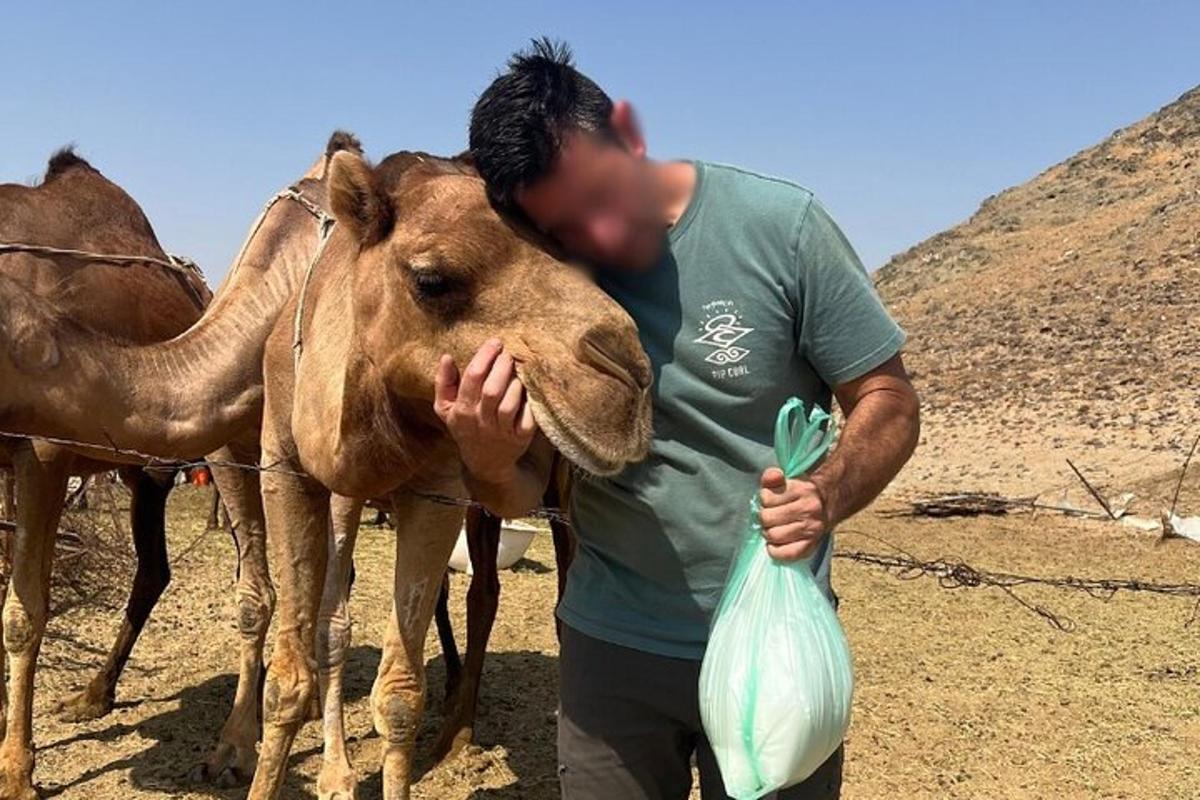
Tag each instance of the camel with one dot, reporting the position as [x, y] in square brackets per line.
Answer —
[75, 207]
[266, 272]
[417, 264]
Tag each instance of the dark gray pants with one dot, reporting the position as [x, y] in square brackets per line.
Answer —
[629, 723]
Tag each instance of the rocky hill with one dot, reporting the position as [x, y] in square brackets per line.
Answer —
[1063, 318]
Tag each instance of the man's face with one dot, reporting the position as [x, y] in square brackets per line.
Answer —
[598, 202]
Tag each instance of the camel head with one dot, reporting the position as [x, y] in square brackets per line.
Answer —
[435, 269]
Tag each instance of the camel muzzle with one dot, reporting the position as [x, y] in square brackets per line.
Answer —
[601, 349]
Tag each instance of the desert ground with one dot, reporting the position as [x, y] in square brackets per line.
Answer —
[961, 693]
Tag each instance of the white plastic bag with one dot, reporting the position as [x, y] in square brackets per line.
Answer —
[776, 681]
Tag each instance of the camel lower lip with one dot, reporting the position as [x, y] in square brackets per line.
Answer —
[558, 430]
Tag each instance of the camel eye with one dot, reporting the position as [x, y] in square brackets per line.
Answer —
[431, 283]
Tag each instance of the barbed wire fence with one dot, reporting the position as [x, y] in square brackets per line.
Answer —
[954, 573]
[949, 572]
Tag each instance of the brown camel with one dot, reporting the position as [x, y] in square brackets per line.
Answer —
[75, 207]
[418, 264]
[266, 273]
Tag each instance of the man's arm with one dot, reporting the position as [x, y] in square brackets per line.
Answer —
[881, 431]
[519, 491]
[506, 461]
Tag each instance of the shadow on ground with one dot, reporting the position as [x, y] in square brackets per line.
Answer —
[520, 694]
[182, 737]
[516, 713]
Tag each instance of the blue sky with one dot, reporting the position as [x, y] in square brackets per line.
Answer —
[901, 116]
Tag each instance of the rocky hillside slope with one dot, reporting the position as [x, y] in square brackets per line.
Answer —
[1065, 314]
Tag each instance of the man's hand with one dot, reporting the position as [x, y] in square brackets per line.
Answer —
[794, 515]
[486, 412]
[883, 423]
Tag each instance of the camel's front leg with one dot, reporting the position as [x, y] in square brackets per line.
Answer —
[483, 600]
[8, 495]
[41, 485]
[8, 513]
[147, 513]
[337, 779]
[425, 535]
[232, 759]
[297, 512]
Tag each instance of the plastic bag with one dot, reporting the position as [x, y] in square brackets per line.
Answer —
[776, 680]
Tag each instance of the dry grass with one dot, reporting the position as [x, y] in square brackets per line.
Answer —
[961, 694]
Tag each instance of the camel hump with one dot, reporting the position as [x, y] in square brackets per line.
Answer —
[64, 159]
[343, 140]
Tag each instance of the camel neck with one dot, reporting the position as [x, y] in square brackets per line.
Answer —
[184, 397]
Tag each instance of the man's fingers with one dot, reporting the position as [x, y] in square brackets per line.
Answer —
[526, 426]
[509, 407]
[494, 388]
[792, 552]
[476, 372]
[792, 532]
[773, 481]
[445, 386]
[801, 509]
[790, 492]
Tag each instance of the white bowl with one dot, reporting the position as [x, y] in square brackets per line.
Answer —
[515, 538]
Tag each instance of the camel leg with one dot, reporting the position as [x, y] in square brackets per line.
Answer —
[8, 513]
[445, 629]
[231, 761]
[8, 497]
[564, 554]
[4, 580]
[148, 521]
[337, 779]
[425, 536]
[214, 510]
[483, 598]
[41, 487]
[558, 496]
[297, 511]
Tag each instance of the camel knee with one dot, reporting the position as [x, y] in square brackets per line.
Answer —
[397, 705]
[333, 641]
[484, 588]
[254, 611]
[290, 688]
[149, 584]
[21, 626]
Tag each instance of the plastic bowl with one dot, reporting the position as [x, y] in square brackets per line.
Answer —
[515, 538]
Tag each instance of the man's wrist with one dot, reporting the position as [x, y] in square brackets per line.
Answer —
[827, 490]
[501, 477]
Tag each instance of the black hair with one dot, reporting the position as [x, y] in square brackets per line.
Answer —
[518, 123]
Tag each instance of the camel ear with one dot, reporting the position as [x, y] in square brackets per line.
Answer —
[357, 201]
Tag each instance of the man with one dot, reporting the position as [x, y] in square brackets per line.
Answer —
[745, 292]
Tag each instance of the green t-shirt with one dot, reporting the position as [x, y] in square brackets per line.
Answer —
[758, 297]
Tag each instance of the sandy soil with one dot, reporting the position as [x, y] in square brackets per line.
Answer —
[961, 693]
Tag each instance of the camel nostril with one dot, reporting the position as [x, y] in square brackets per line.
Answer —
[608, 351]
